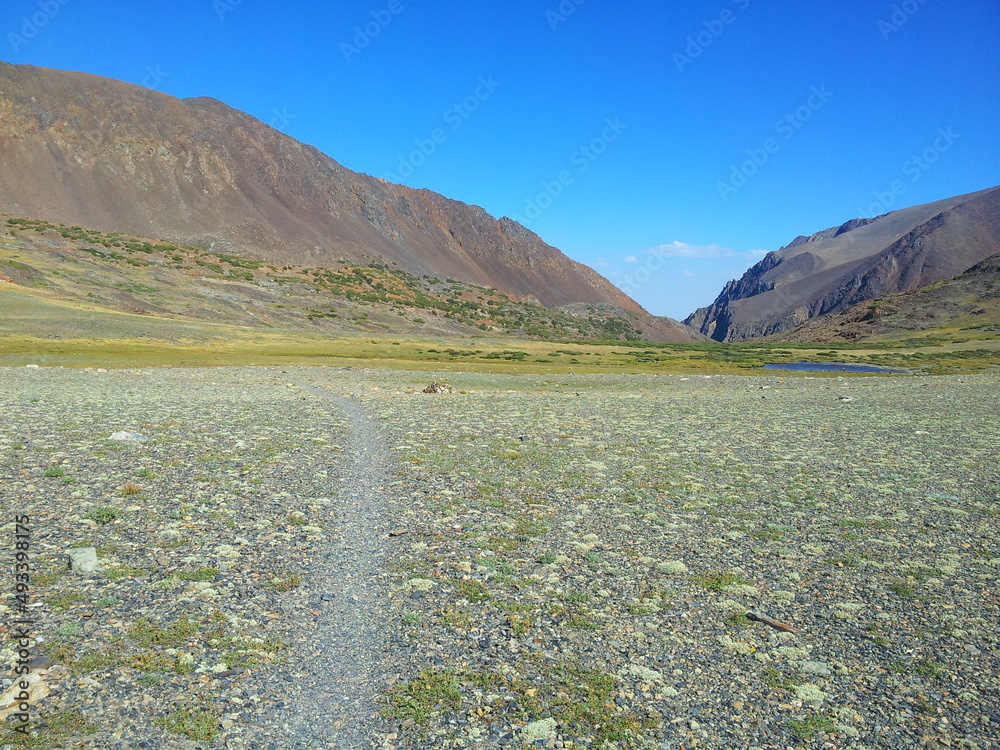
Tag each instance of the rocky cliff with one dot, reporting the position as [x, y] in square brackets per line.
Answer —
[864, 259]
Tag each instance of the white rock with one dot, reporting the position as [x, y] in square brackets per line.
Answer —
[83, 560]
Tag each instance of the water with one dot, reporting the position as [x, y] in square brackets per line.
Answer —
[827, 367]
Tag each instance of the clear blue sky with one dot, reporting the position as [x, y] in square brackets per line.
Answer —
[627, 118]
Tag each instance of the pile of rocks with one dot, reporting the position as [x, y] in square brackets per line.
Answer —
[436, 387]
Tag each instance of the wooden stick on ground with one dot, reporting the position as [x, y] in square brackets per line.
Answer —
[772, 623]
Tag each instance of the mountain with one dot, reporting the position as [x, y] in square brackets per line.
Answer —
[58, 281]
[87, 151]
[861, 260]
[969, 302]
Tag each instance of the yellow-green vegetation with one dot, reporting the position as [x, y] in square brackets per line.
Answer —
[176, 633]
[200, 725]
[430, 691]
[124, 571]
[93, 299]
[570, 693]
[366, 297]
[232, 346]
[202, 574]
[287, 581]
[806, 729]
[104, 514]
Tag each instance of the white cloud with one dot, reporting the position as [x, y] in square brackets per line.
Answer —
[631, 259]
[682, 250]
[599, 263]
[689, 274]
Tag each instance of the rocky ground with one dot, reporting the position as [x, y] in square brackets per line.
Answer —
[528, 562]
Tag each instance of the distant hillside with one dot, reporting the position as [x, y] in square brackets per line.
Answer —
[52, 277]
[82, 150]
[863, 259]
[969, 302]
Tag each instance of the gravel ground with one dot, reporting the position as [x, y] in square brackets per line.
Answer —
[531, 562]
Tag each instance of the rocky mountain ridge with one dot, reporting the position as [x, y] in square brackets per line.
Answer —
[860, 260]
[87, 151]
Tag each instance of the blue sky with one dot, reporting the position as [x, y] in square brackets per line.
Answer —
[667, 144]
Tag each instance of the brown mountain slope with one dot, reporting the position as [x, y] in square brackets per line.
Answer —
[89, 151]
[969, 302]
[858, 261]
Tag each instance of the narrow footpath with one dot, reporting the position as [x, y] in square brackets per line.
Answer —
[335, 703]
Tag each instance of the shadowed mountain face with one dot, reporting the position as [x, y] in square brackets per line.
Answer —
[969, 302]
[861, 260]
[93, 152]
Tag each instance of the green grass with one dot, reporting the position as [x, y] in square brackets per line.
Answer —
[173, 634]
[474, 591]
[48, 577]
[928, 668]
[62, 602]
[925, 668]
[715, 580]
[581, 622]
[903, 588]
[200, 725]
[104, 514]
[95, 662]
[202, 574]
[285, 582]
[117, 572]
[429, 692]
[59, 726]
[777, 679]
[806, 729]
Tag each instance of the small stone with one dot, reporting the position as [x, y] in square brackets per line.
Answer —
[128, 437]
[83, 560]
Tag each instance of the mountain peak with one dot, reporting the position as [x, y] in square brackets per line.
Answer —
[859, 260]
[91, 151]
